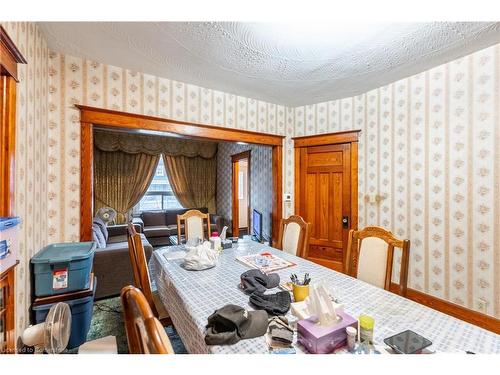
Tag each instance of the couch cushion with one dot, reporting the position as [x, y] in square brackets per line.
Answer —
[117, 239]
[172, 215]
[119, 242]
[153, 218]
[156, 231]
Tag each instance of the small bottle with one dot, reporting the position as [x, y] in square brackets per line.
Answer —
[366, 324]
[215, 241]
[351, 338]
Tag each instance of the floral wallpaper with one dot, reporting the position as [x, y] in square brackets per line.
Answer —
[31, 156]
[261, 181]
[430, 144]
[75, 80]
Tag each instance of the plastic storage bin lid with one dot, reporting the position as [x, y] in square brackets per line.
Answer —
[64, 252]
[8, 222]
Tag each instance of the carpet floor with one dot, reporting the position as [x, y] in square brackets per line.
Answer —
[107, 320]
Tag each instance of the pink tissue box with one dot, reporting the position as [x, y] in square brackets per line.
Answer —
[321, 340]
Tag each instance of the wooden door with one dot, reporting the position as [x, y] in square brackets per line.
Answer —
[238, 203]
[326, 197]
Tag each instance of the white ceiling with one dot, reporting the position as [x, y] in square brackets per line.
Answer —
[291, 64]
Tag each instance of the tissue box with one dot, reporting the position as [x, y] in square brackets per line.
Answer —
[321, 340]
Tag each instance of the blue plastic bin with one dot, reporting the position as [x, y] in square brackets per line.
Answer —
[8, 242]
[63, 268]
[81, 317]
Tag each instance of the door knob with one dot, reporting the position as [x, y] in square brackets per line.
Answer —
[345, 222]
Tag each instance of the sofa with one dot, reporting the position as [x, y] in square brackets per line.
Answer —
[112, 265]
[158, 226]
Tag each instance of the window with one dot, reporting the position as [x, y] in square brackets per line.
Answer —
[159, 195]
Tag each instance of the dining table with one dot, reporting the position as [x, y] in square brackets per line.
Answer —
[192, 296]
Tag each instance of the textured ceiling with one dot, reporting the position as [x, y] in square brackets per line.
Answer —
[291, 64]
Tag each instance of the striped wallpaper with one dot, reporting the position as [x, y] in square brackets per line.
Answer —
[31, 155]
[75, 80]
[430, 144]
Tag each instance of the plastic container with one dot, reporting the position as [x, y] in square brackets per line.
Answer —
[63, 268]
[81, 317]
[8, 242]
[351, 337]
[366, 325]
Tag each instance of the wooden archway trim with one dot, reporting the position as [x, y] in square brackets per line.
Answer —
[91, 116]
[117, 119]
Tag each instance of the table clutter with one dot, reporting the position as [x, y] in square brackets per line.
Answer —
[222, 309]
[274, 304]
[231, 323]
[200, 257]
[280, 333]
[265, 262]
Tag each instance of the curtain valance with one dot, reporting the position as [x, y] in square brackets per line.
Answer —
[153, 145]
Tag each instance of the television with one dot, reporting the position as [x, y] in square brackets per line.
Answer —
[257, 225]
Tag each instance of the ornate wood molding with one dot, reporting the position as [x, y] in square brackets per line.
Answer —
[10, 56]
[117, 119]
[327, 139]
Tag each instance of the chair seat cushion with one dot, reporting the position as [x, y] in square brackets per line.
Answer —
[156, 231]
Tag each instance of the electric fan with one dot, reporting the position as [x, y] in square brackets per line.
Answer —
[53, 334]
[107, 214]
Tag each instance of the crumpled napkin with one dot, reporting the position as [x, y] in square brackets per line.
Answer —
[200, 257]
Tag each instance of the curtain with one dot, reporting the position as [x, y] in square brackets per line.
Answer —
[154, 145]
[193, 180]
[121, 179]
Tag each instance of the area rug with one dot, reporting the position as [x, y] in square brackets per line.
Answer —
[107, 320]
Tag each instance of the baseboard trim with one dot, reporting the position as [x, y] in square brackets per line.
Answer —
[470, 316]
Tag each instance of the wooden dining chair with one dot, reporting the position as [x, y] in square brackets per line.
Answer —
[294, 236]
[145, 334]
[370, 254]
[141, 275]
[193, 225]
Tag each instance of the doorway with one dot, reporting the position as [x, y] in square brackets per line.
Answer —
[326, 192]
[241, 193]
[91, 116]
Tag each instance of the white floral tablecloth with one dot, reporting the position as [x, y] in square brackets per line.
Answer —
[191, 296]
